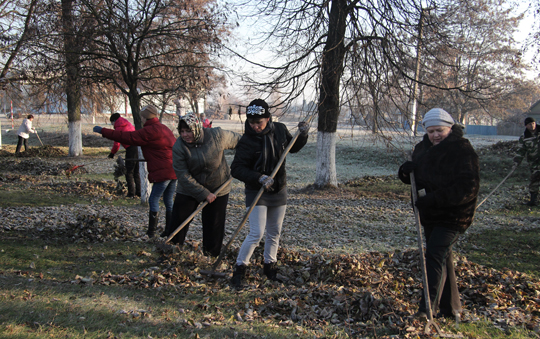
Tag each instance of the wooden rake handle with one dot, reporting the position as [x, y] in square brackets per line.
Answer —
[414, 192]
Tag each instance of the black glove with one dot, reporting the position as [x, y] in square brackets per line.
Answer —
[426, 201]
[408, 167]
[267, 182]
[110, 156]
[303, 127]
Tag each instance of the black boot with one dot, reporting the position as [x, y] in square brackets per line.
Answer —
[238, 275]
[168, 217]
[532, 202]
[152, 223]
[270, 270]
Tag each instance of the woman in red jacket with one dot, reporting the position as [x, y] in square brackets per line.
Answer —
[132, 167]
[156, 141]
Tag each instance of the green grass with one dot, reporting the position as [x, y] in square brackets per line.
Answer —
[503, 249]
[46, 300]
[65, 261]
[40, 296]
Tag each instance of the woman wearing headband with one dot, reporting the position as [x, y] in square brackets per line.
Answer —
[257, 154]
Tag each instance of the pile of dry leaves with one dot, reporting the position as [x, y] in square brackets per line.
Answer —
[34, 166]
[362, 292]
[45, 151]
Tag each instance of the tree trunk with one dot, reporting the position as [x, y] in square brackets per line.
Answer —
[135, 104]
[146, 186]
[72, 83]
[331, 71]
[326, 154]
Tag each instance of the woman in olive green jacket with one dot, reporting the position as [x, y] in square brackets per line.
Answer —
[201, 168]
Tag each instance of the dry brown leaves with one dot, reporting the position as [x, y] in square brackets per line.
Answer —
[501, 147]
[362, 292]
[35, 166]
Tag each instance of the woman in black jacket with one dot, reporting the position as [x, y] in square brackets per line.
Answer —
[446, 171]
[257, 154]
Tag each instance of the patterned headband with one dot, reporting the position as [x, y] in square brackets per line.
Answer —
[256, 110]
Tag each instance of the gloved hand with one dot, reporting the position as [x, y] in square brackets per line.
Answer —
[97, 129]
[303, 127]
[427, 201]
[266, 181]
[408, 167]
[110, 156]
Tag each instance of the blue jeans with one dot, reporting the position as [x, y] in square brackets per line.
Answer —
[166, 189]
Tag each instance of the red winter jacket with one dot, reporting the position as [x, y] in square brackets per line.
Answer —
[121, 124]
[156, 141]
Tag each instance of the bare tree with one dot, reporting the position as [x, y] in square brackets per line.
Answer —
[315, 39]
[363, 55]
[16, 29]
[151, 48]
[471, 60]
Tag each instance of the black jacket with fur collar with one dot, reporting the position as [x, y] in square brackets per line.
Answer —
[449, 172]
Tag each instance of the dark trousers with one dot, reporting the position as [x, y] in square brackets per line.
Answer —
[441, 276]
[20, 142]
[132, 172]
[213, 221]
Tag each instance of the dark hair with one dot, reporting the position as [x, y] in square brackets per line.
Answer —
[30, 116]
[114, 117]
[183, 124]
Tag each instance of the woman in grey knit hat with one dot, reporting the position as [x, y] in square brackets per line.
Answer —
[446, 171]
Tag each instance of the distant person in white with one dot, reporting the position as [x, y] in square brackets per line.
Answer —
[23, 133]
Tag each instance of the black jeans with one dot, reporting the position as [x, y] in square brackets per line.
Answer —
[441, 276]
[20, 142]
[213, 221]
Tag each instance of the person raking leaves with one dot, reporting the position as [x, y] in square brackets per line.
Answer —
[156, 141]
[446, 172]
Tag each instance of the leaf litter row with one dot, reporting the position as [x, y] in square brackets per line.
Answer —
[362, 292]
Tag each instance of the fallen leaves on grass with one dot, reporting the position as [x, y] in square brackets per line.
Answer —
[363, 292]
[34, 166]
[45, 151]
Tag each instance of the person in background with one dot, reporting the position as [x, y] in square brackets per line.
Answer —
[156, 141]
[201, 168]
[23, 133]
[205, 122]
[132, 167]
[528, 148]
[446, 172]
[257, 154]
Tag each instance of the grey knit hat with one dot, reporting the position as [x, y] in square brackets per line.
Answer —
[437, 117]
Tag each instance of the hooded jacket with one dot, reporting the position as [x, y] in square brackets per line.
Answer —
[449, 173]
[249, 163]
[121, 124]
[201, 167]
[156, 141]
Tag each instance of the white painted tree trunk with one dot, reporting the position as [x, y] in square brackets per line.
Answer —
[146, 186]
[75, 139]
[326, 160]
